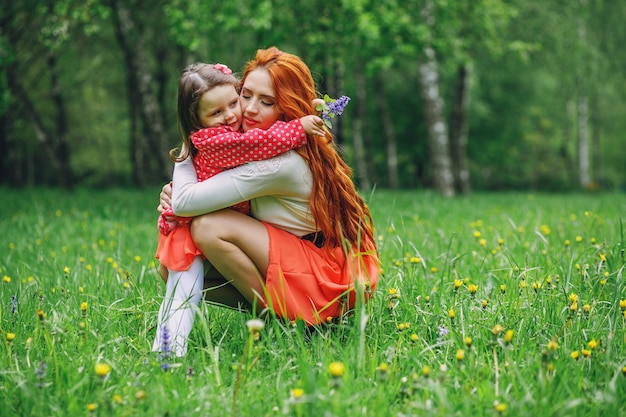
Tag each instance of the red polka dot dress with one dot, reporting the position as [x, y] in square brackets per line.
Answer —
[219, 149]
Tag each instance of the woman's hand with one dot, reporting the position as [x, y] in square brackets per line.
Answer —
[165, 198]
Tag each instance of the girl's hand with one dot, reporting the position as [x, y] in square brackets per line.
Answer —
[165, 198]
[313, 125]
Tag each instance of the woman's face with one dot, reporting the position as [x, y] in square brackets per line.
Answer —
[258, 101]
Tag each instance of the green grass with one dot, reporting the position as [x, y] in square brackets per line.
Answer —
[524, 255]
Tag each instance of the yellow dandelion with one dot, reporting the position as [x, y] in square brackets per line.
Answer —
[434, 269]
[393, 293]
[383, 367]
[624, 370]
[579, 239]
[66, 270]
[415, 260]
[336, 369]
[603, 257]
[403, 326]
[468, 341]
[83, 306]
[500, 241]
[457, 284]
[508, 336]
[414, 337]
[92, 407]
[460, 355]
[451, 313]
[586, 353]
[593, 344]
[586, 308]
[10, 337]
[523, 284]
[497, 329]
[426, 371]
[573, 307]
[622, 304]
[477, 234]
[545, 230]
[566, 243]
[297, 393]
[117, 399]
[6, 279]
[503, 288]
[552, 345]
[500, 407]
[102, 369]
[575, 355]
[484, 303]
[137, 258]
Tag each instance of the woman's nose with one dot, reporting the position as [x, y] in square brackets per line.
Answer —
[250, 107]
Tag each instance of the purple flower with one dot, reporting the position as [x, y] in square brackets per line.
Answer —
[13, 305]
[41, 374]
[166, 351]
[331, 108]
[443, 331]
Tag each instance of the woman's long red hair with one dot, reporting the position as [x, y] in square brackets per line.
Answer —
[338, 210]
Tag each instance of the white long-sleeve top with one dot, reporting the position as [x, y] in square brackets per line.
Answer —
[278, 189]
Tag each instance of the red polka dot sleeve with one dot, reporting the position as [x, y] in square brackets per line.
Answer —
[220, 148]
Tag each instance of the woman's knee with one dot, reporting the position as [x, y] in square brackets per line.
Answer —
[210, 227]
[203, 229]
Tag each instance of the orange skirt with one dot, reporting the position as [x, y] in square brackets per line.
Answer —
[176, 250]
[315, 285]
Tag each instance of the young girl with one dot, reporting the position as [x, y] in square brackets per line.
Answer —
[209, 118]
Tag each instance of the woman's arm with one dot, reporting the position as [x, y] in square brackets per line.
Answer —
[286, 174]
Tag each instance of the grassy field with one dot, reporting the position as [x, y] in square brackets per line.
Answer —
[493, 304]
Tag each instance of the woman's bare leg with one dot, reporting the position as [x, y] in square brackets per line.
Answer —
[237, 246]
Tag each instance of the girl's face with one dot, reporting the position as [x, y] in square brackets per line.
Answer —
[258, 101]
[219, 106]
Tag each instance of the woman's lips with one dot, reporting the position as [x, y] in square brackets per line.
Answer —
[250, 122]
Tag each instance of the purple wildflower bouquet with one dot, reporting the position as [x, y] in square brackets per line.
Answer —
[331, 108]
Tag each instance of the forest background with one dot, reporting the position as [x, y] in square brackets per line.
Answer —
[449, 95]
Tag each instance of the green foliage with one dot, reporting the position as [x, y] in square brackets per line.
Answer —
[530, 57]
[530, 279]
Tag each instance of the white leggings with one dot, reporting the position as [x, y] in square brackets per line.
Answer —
[183, 293]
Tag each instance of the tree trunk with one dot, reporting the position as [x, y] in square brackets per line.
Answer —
[596, 145]
[150, 143]
[357, 131]
[583, 141]
[56, 154]
[439, 149]
[61, 148]
[460, 127]
[390, 136]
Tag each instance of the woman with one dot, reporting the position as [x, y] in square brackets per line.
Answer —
[309, 250]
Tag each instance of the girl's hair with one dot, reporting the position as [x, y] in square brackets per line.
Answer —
[194, 81]
[338, 210]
